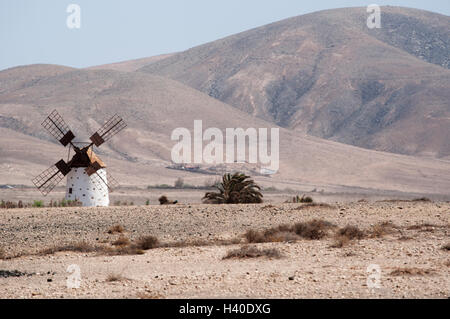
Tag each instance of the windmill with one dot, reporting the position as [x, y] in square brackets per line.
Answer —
[87, 179]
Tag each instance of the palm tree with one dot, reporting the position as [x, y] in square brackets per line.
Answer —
[235, 189]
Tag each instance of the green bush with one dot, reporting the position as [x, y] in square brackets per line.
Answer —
[38, 203]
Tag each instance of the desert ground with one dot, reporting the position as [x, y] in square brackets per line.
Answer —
[408, 240]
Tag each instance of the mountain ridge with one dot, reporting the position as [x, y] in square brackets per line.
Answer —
[325, 73]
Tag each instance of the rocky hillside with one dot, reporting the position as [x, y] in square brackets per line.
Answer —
[327, 74]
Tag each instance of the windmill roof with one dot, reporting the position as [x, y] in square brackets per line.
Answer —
[94, 158]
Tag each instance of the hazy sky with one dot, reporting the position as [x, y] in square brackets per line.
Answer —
[35, 31]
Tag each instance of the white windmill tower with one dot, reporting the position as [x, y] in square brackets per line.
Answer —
[87, 178]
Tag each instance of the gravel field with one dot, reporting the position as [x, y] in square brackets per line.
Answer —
[411, 258]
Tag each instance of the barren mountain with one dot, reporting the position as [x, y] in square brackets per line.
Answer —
[131, 65]
[153, 107]
[327, 74]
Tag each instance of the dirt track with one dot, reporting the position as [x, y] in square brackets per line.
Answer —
[308, 268]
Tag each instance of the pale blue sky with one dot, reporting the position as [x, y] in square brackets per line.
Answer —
[35, 31]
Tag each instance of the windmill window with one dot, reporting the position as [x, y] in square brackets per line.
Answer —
[70, 190]
[84, 194]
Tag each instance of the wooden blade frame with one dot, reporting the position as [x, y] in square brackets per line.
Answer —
[113, 126]
[94, 167]
[56, 126]
[111, 184]
[48, 179]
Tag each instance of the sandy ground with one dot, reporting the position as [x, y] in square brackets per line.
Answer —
[308, 268]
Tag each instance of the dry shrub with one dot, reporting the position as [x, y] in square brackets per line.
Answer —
[313, 205]
[163, 200]
[344, 235]
[381, 229]
[2, 253]
[121, 241]
[116, 229]
[147, 242]
[282, 233]
[340, 241]
[114, 277]
[421, 199]
[201, 242]
[446, 247]
[254, 236]
[411, 272]
[447, 263]
[148, 295]
[314, 229]
[252, 252]
[126, 250]
[351, 232]
[81, 247]
[303, 199]
[421, 226]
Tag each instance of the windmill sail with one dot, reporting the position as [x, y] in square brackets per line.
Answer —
[113, 126]
[48, 179]
[104, 183]
[56, 126]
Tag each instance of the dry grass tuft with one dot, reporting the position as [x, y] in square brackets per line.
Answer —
[411, 272]
[314, 205]
[351, 232]
[201, 243]
[314, 229]
[340, 241]
[149, 295]
[116, 229]
[2, 253]
[147, 242]
[344, 235]
[114, 278]
[81, 247]
[424, 227]
[252, 252]
[126, 250]
[121, 241]
[382, 229]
